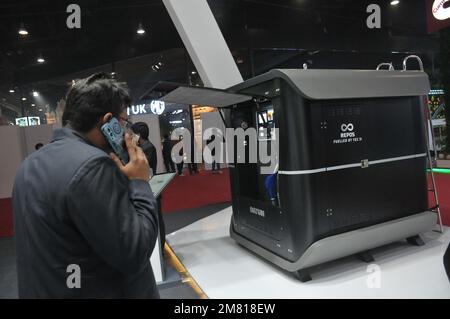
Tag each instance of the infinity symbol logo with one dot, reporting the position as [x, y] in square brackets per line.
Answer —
[347, 127]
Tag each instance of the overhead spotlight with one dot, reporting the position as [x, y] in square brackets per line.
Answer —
[157, 66]
[24, 99]
[40, 59]
[35, 94]
[395, 2]
[22, 30]
[239, 60]
[11, 91]
[193, 72]
[32, 104]
[140, 29]
[40, 110]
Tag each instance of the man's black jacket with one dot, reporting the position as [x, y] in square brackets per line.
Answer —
[72, 206]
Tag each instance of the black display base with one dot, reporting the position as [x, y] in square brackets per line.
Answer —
[415, 241]
[365, 256]
[302, 275]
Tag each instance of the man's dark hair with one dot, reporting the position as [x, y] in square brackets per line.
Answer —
[166, 136]
[141, 128]
[38, 146]
[91, 98]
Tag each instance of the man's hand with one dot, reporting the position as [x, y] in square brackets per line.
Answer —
[137, 167]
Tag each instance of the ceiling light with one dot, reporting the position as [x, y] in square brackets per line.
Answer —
[35, 94]
[24, 99]
[193, 72]
[40, 110]
[32, 104]
[157, 66]
[395, 2]
[140, 29]
[22, 30]
[40, 59]
[11, 91]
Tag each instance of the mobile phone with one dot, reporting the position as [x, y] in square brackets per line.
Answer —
[114, 134]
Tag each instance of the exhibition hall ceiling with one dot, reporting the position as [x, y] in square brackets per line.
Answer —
[271, 33]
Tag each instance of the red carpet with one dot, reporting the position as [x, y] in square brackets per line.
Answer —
[192, 191]
[6, 218]
[443, 187]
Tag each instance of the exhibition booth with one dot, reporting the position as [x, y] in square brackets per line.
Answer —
[349, 181]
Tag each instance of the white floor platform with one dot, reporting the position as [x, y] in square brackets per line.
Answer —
[224, 269]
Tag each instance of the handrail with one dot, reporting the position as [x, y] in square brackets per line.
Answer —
[419, 60]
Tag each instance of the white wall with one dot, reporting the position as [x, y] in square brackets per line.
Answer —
[11, 155]
[36, 134]
[16, 143]
[154, 136]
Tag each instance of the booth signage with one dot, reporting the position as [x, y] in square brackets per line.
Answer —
[257, 211]
[438, 14]
[347, 134]
[154, 107]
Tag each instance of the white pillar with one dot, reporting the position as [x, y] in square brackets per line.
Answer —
[204, 42]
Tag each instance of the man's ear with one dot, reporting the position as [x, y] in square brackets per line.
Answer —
[107, 117]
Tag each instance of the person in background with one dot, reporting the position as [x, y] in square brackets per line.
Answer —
[215, 165]
[38, 146]
[167, 154]
[181, 164]
[149, 149]
[193, 168]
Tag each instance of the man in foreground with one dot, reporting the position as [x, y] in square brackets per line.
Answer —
[85, 223]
